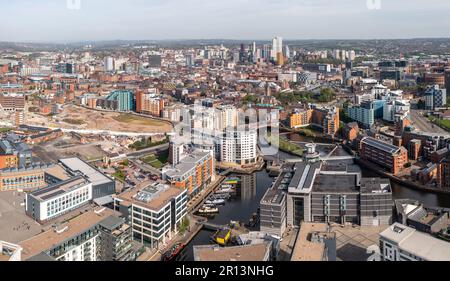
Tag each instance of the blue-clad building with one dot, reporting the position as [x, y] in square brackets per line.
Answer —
[363, 114]
[378, 107]
[124, 100]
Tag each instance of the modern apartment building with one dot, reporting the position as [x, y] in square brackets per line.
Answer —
[116, 240]
[363, 114]
[300, 118]
[78, 239]
[119, 100]
[149, 103]
[154, 212]
[389, 156]
[443, 174]
[11, 147]
[238, 146]
[326, 118]
[402, 243]
[193, 173]
[12, 101]
[435, 97]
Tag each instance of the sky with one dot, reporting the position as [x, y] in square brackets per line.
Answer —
[62, 21]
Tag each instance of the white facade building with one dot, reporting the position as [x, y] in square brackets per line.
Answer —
[154, 212]
[238, 146]
[403, 243]
[56, 200]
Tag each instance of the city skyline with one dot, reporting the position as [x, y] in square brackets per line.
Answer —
[229, 20]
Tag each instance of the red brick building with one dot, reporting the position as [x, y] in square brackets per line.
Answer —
[389, 156]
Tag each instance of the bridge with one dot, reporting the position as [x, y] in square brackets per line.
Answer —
[212, 226]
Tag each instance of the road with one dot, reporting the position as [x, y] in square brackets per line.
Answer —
[423, 124]
[143, 152]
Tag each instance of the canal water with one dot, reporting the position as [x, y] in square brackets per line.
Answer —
[240, 208]
[253, 188]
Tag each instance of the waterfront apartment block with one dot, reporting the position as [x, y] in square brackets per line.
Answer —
[238, 146]
[193, 173]
[389, 156]
[78, 239]
[154, 212]
[402, 243]
[325, 118]
[429, 142]
[443, 173]
[58, 199]
[300, 118]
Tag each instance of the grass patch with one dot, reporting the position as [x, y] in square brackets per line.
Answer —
[137, 120]
[5, 130]
[143, 144]
[156, 161]
[289, 147]
[443, 123]
[73, 121]
[120, 175]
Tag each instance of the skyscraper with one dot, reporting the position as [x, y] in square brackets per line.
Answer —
[109, 64]
[277, 50]
[287, 52]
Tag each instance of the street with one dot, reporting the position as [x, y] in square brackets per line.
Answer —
[423, 124]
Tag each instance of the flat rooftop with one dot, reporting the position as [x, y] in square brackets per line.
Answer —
[375, 185]
[304, 249]
[335, 183]
[50, 238]
[94, 176]
[381, 145]
[59, 172]
[150, 198]
[304, 175]
[255, 252]
[273, 196]
[418, 243]
[186, 164]
[59, 188]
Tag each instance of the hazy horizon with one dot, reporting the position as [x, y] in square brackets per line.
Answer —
[54, 21]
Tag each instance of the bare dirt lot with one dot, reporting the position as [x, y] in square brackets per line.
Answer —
[88, 119]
